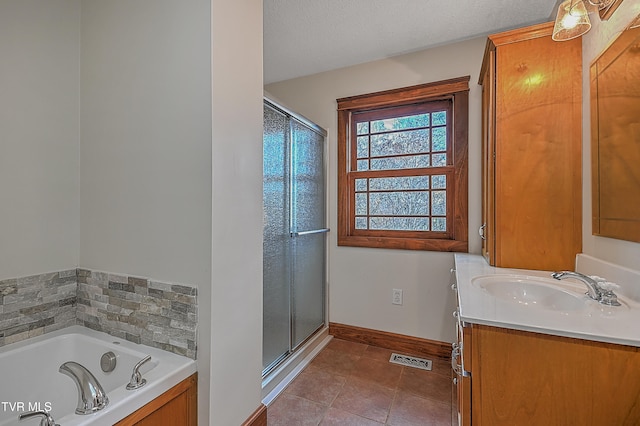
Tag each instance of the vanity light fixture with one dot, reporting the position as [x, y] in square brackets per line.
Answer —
[572, 19]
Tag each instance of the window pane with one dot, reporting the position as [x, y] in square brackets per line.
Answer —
[363, 146]
[399, 223]
[439, 203]
[394, 163]
[439, 118]
[399, 203]
[410, 142]
[410, 182]
[362, 128]
[439, 138]
[361, 203]
[439, 160]
[361, 184]
[363, 164]
[400, 123]
[439, 181]
[439, 224]
[361, 223]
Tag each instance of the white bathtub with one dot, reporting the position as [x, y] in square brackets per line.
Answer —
[29, 376]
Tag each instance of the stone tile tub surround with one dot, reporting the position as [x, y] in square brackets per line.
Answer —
[140, 310]
[157, 314]
[37, 304]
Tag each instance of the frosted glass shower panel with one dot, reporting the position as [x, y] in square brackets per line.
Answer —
[276, 236]
[309, 231]
[308, 179]
[308, 286]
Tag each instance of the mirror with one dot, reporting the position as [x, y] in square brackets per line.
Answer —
[615, 138]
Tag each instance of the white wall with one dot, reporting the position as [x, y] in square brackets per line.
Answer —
[145, 155]
[236, 299]
[145, 165]
[39, 136]
[360, 279]
[602, 33]
[107, 161]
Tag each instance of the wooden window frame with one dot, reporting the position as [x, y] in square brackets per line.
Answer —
[457, 91]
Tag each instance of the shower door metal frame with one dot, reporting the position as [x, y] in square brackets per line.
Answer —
[294, 233]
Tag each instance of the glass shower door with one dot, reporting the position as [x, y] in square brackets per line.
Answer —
[294, 234]
[275, 243]
[308, 232]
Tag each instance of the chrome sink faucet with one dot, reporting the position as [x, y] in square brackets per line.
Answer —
[91, 396]
[595, 287]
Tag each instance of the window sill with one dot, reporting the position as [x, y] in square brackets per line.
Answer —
[445, 245]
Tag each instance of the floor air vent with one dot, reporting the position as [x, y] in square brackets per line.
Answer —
[411, 361]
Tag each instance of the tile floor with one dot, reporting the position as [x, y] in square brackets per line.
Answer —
[353, 384]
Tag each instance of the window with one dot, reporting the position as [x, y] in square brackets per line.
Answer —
[402, 168]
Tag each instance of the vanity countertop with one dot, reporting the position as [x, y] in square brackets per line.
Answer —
[596, 322]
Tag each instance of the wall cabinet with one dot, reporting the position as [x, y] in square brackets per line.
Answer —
[524, 378]
[532, 138]
[176, 407]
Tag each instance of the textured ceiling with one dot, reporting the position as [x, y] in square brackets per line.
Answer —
[303, 37]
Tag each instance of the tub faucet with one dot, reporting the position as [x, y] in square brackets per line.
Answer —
[596, 288]
[46, 420]
[91, 396]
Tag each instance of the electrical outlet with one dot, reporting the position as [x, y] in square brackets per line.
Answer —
[396, 297]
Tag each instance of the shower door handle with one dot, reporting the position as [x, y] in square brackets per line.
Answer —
[315, 231]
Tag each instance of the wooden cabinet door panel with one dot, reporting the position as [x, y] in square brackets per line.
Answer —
[538, 144]
[523, 378]
[488, 160]
[532, 143]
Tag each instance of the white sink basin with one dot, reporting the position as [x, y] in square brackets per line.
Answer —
[530, 291]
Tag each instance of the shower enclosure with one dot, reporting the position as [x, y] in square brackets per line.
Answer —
[294, 242]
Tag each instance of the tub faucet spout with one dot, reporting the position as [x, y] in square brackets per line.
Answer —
[91, 396]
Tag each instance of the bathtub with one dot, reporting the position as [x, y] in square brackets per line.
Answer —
[30, 380]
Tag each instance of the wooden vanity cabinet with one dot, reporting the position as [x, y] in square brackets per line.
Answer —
[460, 360]
[524, 378]
[532, 139]
[176, 407]
[462, 380]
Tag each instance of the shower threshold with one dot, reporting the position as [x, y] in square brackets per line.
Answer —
[282, 372]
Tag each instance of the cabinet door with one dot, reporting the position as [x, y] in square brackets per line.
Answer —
[464, 401]
[538, 153]
[462, 379]
[488, 160]
[524, 378]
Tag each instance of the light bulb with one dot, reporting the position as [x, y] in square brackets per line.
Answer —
[570, 21]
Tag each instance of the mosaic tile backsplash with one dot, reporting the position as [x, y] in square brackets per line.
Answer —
[140, 310]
